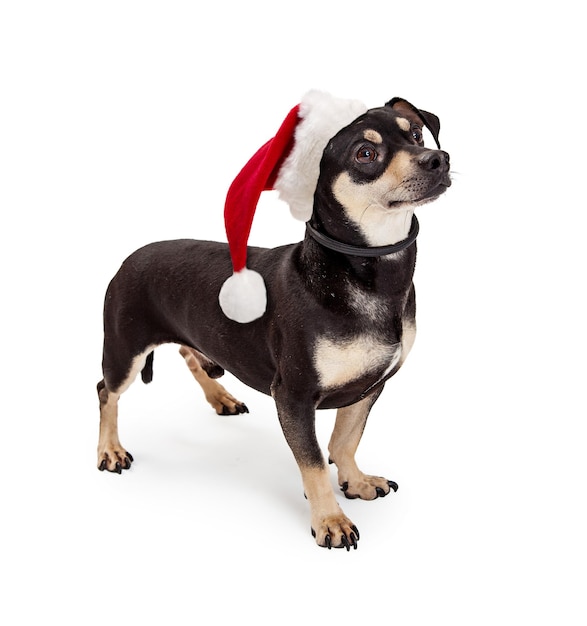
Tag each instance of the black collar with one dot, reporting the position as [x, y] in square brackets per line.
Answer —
[345, 248]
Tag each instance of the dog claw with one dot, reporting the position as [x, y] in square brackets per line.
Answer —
[121, 464]
[378, 490]
[344, 487]
[345, 542]
[238, 409]
[350, 541]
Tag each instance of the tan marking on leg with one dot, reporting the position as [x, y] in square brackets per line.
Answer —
[216, 395]
[348, 429]
[111, 455]
[330, 526]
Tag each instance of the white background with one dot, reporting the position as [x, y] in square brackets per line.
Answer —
[123, 123]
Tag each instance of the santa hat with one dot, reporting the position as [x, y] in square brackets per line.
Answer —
[289, 163]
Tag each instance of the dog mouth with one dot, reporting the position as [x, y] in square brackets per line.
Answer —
[418, 191]
[442, 186]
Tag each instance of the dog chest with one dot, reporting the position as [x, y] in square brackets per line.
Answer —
[339, 362]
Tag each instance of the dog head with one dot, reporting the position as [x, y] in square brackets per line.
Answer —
[377, 170]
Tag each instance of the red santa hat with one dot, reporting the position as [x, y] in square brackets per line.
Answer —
[289, 163]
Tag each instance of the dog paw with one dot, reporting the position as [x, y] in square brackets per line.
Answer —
[223, 402]
[336, 532]
[115, 460]
[368, 488]
[234, 408]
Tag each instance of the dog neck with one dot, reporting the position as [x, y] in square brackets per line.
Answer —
[384, 227]
[370, 251]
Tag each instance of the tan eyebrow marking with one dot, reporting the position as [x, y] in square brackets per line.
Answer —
[403, 123]
[372, 135]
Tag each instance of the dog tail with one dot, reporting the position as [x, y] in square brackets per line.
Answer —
[147, 371]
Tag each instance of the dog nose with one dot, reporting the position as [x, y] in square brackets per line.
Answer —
[434, 159]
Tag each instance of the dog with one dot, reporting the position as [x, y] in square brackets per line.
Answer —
[340, 312]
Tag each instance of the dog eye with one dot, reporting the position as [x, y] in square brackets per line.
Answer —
[417, 134]
[366, 154]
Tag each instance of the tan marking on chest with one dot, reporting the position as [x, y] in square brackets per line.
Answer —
[409, 336]
[340, 362]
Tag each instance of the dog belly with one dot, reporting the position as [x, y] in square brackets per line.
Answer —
[250, 363]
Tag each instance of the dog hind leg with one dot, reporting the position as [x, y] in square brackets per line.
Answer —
[111, 455]
[205, 371]
[348, 429]
[120, 370]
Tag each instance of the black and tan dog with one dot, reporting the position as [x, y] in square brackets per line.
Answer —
[340, 316]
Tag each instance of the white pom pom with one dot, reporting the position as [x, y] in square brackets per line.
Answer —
[243, 297]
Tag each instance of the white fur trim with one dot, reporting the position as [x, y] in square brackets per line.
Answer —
[322, 116]
[243, 297]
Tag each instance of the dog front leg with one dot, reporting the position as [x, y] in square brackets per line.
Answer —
[348, 429]
[330, 526]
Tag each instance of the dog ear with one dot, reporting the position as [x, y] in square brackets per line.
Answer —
[430, 120]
